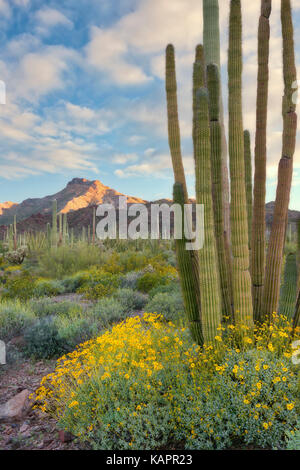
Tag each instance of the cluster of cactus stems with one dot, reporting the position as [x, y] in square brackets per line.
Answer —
[232, 278]
[288, 292]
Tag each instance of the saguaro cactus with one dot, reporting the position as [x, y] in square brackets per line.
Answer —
[189, 283]
[248, 180]
[259, 193]
[285, 170]
[238, 211]
[211, 44]
[208, 261]
[213, 83]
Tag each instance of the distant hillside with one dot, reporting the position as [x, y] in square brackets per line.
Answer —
[77, 199]
[78, 194]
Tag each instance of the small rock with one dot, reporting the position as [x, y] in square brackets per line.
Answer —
[24, 427]
[65, 436]
[17, 407]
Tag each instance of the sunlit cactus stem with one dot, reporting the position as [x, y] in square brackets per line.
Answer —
[15, 232]
[188, 281]
[94, 226]
[248, 181]
[213, 83]
[242, 295]
[212, 55]
[209, 279]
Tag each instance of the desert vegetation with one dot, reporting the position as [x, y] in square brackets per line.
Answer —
[156, 346]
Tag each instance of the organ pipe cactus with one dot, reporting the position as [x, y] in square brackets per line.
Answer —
[238, 210]
[211, 44]
[208, 261]
[288, 295]
[213, 83]
[189, 282]
[54, 223]
[259, 193]
[285, 170]
[248, 180]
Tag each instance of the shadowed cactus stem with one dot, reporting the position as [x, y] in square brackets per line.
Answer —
[189, 283]
[285, 171]
[248, 180]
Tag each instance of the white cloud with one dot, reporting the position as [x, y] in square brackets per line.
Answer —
[122, 159]
[5, 9]
[22, 3]
[48, 18]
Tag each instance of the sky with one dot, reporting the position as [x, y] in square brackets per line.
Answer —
[85, 93]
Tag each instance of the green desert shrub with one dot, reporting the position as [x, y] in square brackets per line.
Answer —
[108, 311]
[129, 280]
[65, 260]
[150, 280]
[99, 284]
[75, 330]
[45, 307]
[14, 318]
[171, 288]
[42, 340]
[19, 287]
[48, 287]
[169, 304]
[130, 299]
[293, 439]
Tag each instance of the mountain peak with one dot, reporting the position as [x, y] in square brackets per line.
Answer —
[79, 181]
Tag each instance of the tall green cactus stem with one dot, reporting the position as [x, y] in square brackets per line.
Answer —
[213, 83]
[60, 228]
[173, 120]
[174, 134]
[238, 211]
[288, 295]
[198, 79]
[296, 319]
[189, 283]
[248, 181]
[209, 281]
[94, 226]
[54, 223]
[15, 233]
[64, 228]
[258, 243]
[211, 44]
[285, 170]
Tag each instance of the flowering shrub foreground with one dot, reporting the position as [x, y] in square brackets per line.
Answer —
[145, 385]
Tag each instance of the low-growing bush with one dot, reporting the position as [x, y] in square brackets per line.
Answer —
[108, 311]
[45, 307]
[130, 300]
[99, 284]
[150, 280]
[46, 287]
[170, 305]
[145, 385]
[129, 280]
[293, 439]
[42, 340]
[171, 288]
[14, 318]
[19, 287]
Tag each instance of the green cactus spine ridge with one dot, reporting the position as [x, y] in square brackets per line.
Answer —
[189, 283]
[288, 295]
[285, 170]
[258, 243]
[212, 54]
[248, 181]
[238, 211]
[54, 223]
[173, 120]
[213, 83]
[208, 262]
